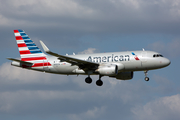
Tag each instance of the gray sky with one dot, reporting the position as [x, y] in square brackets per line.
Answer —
[87, 26]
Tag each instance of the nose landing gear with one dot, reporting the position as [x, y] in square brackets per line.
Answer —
[146, 78]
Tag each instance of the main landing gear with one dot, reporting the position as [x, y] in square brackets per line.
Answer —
[98, 82]
[88, 80]
[146, 78]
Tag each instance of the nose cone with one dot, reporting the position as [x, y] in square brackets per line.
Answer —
[166, 62]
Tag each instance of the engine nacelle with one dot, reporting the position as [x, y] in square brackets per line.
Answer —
[108, 70]
[124, 76]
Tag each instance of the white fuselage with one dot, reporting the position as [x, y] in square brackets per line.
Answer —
[126, 61]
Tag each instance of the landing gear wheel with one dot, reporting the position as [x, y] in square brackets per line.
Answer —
[88, 80]
[99, 82]
[146, 79]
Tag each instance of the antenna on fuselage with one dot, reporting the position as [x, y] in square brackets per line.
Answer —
[143, 49]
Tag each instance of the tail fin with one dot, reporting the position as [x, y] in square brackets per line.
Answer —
[27, 48]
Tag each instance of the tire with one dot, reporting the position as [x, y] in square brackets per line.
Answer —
[146, 79]
[99, 82]
[88, 80]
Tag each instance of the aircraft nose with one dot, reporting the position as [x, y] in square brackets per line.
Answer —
[166, 62]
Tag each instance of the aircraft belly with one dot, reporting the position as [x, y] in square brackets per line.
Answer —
[38, 68]
[64, 69]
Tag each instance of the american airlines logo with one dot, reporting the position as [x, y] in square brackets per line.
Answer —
[136, 57]
[112, 58]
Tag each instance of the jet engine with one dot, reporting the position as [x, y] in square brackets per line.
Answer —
[108, 70]
[124, 76]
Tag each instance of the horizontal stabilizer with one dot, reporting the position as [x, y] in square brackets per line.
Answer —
[20, 61]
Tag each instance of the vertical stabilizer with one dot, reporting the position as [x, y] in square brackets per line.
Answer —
[27, 48]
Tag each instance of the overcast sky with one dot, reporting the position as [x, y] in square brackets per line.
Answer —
[88, 26]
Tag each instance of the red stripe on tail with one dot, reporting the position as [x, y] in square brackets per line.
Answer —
[22, 45]
[16, 31]
[19, 38]
[25, 52]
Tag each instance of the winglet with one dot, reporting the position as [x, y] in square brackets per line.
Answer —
[44, 46]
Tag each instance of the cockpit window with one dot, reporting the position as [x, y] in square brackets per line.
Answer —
[157, 55]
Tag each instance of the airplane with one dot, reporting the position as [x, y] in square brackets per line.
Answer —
[119, 65]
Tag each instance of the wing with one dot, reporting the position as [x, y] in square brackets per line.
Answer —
[85, 65]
